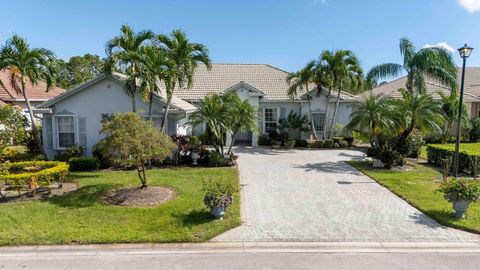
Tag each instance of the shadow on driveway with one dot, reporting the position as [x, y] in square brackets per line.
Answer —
[338, 167]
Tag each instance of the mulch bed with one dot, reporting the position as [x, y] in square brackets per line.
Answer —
[40, 194]
[136, 197]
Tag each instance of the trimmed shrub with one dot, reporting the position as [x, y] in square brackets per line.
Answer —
[99, 151]
[474, 134]
[264, 139]
[413, 145]
[349, 141]
[343, 144]
[336, 145]
[436, 155]
[329, 143]
[70, 152]
[14, 154]
[337, 139]
[217, 160]
[33, 174]
[84, 164]
[391, 158]
[317, 144]
[301, 143]
[373, 152]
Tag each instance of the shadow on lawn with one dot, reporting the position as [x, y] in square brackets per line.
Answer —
[83, 197]
[195, 217]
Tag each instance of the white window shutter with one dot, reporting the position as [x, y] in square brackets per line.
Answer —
[82, 131]
[48, 129]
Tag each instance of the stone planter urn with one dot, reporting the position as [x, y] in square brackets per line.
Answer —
[276, 145]
[461, 207]
[218, 211]
[195, 157]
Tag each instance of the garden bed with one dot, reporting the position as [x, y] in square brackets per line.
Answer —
[82, 216]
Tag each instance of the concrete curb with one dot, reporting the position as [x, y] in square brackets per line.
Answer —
[242, 247]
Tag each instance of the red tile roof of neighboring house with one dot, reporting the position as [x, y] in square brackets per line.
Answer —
[34, 92]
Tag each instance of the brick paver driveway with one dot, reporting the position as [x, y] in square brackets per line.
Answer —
[312, 195]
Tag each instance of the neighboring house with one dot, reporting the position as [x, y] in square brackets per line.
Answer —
[471, 92]
[75, 116]
[36, 93]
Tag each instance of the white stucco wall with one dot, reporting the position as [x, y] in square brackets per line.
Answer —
[104, 97]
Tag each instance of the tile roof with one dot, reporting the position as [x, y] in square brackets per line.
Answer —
[268, 80]
[472, 86]
[34, 92]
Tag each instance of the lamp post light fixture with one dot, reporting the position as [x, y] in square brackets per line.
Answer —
[465, 52]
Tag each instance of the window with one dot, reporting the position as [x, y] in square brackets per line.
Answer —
[65, 131]
[271, 118]
[157, 122]
[319, 121]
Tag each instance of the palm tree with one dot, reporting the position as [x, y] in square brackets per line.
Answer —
[417, 110]
[27, 65]
[125, 52]
[374, 116]
[184, 57]
[435, 62]
[300, 81]
[346, 72]
[242, 116]
[212, 112]
[450, 105]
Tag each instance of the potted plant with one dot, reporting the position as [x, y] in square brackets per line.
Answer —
[461, 192]
[195, 146]
[218, 196]
[290, 143]
[276, 144]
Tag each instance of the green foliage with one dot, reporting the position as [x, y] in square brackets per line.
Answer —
[301, 143]
[437, 153]
[412, 147]
[474, 134]
[13, 124]
[317, 144]
[218, 193]
[14, 154]
[71, 152]
[216, 159]
[102, 154]
[294, 123]
[133, 142]
[84, 164]
[264, 139]
[343, 144]
[461, 189]
[390, 157]
[78, 69]
[328, 143]
[33, 174]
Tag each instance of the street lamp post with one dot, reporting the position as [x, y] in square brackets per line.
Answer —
[465, 52]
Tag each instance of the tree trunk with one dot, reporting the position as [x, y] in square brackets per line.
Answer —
[232, 141]
[409, 83]
[36, 134]
[142, 175]
[165, 114]
[310, 116]
[337, 102]
[404, 136]
[150, 105]
[325, 125]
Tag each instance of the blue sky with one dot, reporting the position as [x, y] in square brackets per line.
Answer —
[283, 33]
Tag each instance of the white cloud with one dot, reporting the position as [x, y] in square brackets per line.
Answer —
[470, 5]
[443, 44]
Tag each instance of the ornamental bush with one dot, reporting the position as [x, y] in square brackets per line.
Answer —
[14, 154]
[436, 155]
[218, 193]
[84, 164]
[33, 174]
[329, 143]
[71, 152]
[461, 189]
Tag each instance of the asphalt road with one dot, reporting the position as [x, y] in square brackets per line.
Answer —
[242, 260]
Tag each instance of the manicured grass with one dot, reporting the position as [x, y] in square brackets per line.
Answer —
[419, 187]
[470, 148]
[82, 217]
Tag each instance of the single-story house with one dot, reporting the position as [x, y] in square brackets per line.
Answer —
[37, 94]
[471, 91]
[75, 116]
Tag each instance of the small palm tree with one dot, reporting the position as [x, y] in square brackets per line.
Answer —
[299, 82]
[416, 110]
[374, 117]
[242, 116]
[184, 57]
[212, 112]
[344, 68]
[434, 62]
[27, 65]
[125, 53]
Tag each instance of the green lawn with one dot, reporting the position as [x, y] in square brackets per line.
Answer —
[419, 188]
[471, 148]
[81, 217]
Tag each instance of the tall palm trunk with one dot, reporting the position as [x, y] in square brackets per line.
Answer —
[165, 114]
[150, 105]
[325, 126]
[36, 134]
[310, 116]
[337, 102]
[232, 142]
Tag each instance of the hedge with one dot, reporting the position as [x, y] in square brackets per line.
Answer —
[15, 174]
[84, 164]
[436, 155]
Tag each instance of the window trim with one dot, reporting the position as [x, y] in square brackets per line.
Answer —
[324, 120]
[55, 131]
[277, 109]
